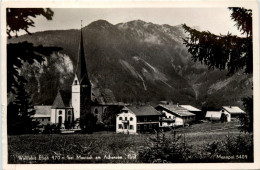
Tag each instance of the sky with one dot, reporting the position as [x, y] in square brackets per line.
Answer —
[215, 20]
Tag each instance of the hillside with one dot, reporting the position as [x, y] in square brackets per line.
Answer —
[138, 61]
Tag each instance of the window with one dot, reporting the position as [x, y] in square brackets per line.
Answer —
[150, 126]
[145, 119]
[125, 126]
[132, 127]
[131, 119]
[120, 118]
[120, 126]
[125, 118]
[145, 127]
[60, 112]
[75, 82]
[69, 112]
[138, 127]
[96, 111]
[60, 120]
[42, 119]
[49, 119]
[126, 111]
[170, 117]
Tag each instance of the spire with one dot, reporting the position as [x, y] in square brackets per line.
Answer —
[81, 71]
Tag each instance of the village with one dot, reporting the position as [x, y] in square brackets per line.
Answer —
[69, 107]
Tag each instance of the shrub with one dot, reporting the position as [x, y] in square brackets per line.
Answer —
[162, 149]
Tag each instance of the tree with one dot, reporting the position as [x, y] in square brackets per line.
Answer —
[229, 52]
[246, 121]
[224, 51]
[20, 113]
[19, 19]
[109, 117]
[88, 123]
[21, 109]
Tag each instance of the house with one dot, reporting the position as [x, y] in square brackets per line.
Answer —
[234, 111]
[42, 114]
[199, 114]
[216, 115]
[137, 119]
[174, 115]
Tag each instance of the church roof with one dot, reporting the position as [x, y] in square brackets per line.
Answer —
[102, 96]
[62, 99]
[81, 71]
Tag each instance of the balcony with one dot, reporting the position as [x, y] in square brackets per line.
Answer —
[165, 119]
[125, 121]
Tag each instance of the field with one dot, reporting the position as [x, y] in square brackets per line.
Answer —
[107, 147]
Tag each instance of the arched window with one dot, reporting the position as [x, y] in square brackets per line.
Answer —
[75, 82]
[60, 112]
[96, 111]
[120, 118]
[131, 119]
[60, 120]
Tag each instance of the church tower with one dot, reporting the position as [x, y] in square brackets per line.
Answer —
[81, 86]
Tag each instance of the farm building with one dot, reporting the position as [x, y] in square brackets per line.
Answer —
[216, 115]
[234, 111]
[136, 119]
[194, 110]
[42, 114]
[174, 115]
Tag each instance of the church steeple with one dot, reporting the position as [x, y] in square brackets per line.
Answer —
[81, 72]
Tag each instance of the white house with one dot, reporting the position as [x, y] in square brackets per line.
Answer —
[136, 119]
[234, 111]
[174, 115]
[42, 114]
[216, 115]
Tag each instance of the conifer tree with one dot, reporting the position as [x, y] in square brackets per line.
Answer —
[229, 52]
[20, 110]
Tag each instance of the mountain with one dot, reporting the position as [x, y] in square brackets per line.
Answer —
[138, 61]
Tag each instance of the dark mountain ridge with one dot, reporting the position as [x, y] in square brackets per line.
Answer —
[138, 61]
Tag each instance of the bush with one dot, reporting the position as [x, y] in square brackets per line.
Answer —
[231, 146]
[162, 149]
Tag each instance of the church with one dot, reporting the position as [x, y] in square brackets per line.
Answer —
[69, 106]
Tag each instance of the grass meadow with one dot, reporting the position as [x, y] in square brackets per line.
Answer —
[107, 147]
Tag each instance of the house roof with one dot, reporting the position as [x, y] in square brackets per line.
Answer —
[175, 109]
[213, 114]
[190, 108]
[233, 109]
[102, 96]
[144, 110]
[42, 111]
[41, 116]
[63, 99]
